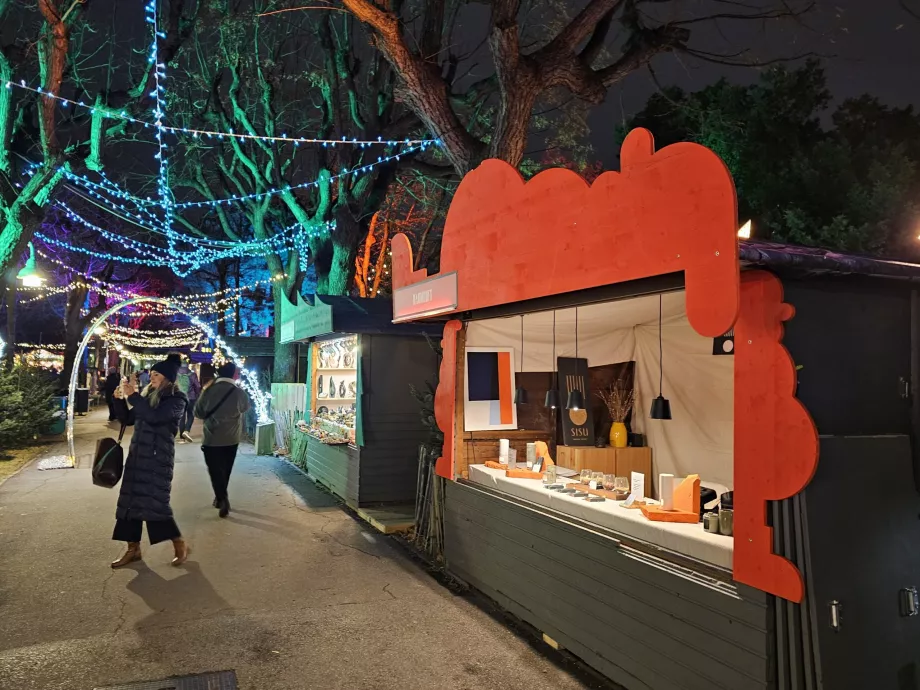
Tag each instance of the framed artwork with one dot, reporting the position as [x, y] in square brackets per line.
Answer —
[488, 398]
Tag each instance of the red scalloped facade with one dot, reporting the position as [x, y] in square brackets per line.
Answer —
[668, 211]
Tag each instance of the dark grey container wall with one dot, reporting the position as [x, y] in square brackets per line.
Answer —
[391, 418]
[641, 621]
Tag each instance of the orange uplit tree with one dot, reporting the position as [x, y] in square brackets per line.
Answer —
[414, 207]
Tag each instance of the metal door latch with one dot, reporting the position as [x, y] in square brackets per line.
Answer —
[904, 385]
[836, 608]
[910, 602]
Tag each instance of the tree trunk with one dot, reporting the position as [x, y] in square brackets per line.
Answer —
[285, 368]
[74, 324]
[239, 298]
[10, 319]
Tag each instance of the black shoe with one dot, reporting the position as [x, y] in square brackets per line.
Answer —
[216, 503]
[224, 508]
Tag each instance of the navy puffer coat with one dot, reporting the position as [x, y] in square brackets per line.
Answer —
[147, 478]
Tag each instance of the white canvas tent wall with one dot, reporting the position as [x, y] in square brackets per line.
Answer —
[699, 385]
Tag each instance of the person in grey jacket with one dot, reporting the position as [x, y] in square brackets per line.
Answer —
[221, 407]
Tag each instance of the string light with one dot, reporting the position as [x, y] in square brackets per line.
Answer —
[304, 185]
[206, 297]
[214, 134]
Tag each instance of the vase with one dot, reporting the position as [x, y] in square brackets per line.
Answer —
[618, 435]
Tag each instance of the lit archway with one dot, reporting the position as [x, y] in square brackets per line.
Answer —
[248, 378]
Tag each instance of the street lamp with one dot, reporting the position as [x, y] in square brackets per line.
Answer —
[29, 274]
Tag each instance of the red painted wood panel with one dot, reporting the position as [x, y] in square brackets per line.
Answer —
[445, 404]
[776, 442]
[666, 211]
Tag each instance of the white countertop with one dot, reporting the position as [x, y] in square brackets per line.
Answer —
[689, 540]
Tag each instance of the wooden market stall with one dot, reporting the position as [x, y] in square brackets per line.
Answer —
[809, 578]
[363, 426]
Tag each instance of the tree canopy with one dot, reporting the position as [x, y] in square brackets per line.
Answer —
[807, 171]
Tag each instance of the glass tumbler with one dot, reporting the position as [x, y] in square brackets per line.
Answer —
[549, 474]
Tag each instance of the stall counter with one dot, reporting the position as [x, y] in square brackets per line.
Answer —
[688, 540]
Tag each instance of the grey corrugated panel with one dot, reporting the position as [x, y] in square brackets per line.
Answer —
[805, 608]
[795, 653]
[661, 665]
[810, 604]
[607, 614]
[499, 562]
[783, 666]
[722, 597]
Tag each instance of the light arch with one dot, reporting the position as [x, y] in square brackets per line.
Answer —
[249, 382]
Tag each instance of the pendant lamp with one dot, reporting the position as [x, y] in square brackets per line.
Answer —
[661, 406]
[576, 401]
[552, 395]
[520, 394]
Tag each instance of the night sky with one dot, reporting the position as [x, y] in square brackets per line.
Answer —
[864, 51]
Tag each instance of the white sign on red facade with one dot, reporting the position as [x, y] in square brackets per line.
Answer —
[436, 295]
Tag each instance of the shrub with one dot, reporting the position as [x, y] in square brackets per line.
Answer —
[26, 407]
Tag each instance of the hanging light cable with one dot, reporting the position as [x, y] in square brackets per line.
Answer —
[552, 395]
[575, 401]
[661, 406]
[520, 395]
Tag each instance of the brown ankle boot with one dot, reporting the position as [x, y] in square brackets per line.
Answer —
[132, 554]
[182, 551]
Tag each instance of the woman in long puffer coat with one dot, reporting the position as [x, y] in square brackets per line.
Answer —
[148, 473]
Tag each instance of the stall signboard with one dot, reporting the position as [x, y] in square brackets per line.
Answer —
[429, 297]
[577, 425]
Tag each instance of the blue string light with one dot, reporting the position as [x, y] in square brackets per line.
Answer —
[215, 134]
[203, 251]
[305, 185]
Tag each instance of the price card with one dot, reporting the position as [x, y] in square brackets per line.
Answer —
[637, 485]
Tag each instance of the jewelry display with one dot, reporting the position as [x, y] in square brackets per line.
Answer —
[335, 399]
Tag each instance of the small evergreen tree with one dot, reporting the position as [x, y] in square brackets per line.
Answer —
[26, 409]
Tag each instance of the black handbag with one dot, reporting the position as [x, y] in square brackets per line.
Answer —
[109, 461]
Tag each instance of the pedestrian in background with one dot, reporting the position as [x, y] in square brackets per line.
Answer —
[144, 378]
[147, 479]
[188, 384]
[221, 408]
[112, 381]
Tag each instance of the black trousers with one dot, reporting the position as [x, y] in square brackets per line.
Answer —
[189, 417]
[220, 464]
[157, 530]
[110, 401]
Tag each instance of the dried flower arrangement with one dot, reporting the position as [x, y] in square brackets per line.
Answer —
[619, 400]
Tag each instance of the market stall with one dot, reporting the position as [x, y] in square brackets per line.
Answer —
[662, 533]
[362, 428]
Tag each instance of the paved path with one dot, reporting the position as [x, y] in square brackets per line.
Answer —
[290, 591]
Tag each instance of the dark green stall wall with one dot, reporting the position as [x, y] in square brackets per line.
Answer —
[641, 621]
[392, 426]
[852, 338]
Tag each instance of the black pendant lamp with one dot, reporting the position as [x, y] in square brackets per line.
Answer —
[576, 401]
[661, 406]
[552, 395]
[520, 394]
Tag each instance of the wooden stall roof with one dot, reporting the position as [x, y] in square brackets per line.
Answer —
[818, 261]
[321, 315]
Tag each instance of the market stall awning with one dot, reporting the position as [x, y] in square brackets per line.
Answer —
[814, 260]
[321, 315]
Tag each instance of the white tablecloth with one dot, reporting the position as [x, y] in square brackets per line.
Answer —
[686, 539]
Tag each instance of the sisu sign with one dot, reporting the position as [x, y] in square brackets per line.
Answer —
[429, 297]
